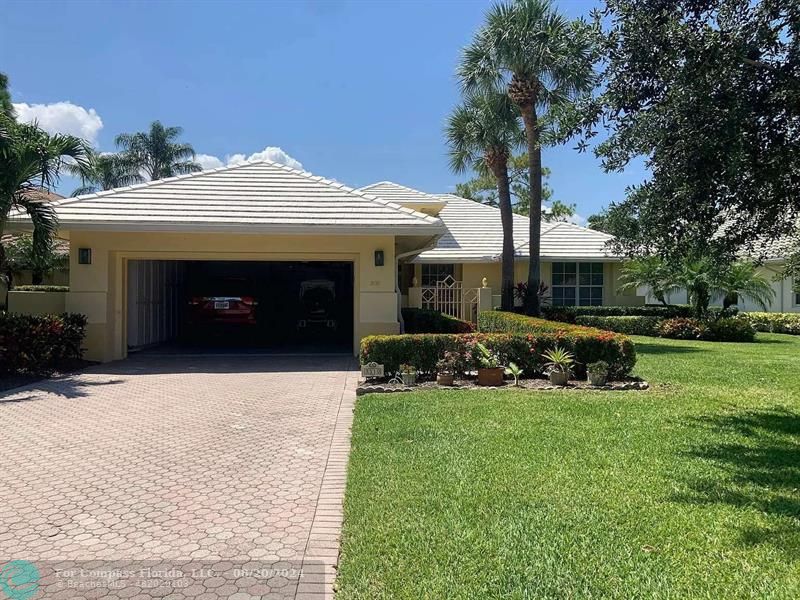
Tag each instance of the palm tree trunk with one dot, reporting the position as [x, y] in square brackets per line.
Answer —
[507, 219]
[531, 122]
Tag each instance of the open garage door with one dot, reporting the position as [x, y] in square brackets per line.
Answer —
[281, 306]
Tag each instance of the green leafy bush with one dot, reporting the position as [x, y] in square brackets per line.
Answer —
[419, 320]
[39, 343]
[588, 344]
[730, 329]
[626, 325]
[683, 329]
[774, 322]
[40, 288]
[569, 314]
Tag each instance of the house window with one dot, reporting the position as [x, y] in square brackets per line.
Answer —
[797, 299]
[578, 284]
[431, 274]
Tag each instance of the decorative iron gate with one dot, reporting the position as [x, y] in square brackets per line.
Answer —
[450, 298]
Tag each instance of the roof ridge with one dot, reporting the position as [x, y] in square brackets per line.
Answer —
[400, 185]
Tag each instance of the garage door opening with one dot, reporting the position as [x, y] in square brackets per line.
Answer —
[203, 306]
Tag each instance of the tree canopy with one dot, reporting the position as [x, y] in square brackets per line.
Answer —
[708, 91]
[157, 151]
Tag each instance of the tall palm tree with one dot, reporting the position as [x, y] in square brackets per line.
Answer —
[157, 152]
[649, 272]
[31, 161]
[483, 132]
[105, 172]
[542, 61]
[741, 280]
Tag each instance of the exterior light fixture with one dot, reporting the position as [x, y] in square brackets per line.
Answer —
[378, 258]
[84, 256]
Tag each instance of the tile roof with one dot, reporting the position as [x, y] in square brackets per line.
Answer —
[400, 193]
[474, 233]
[254, 196]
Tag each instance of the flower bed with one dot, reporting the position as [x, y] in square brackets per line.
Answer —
[774, 322]
[39, 343]
[523, 345]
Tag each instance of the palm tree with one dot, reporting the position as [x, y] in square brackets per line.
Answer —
[157, 153]
[105, 172]
[542, 61]
[483, 132]
[649, 272]
[21, 255]
[699, 278]
[741, 280]
[31, 161]
[6, 108]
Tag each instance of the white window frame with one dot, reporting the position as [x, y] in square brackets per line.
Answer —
[580, 300]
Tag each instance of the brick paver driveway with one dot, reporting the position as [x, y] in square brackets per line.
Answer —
[179, 477]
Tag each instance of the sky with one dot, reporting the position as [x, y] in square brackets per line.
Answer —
[354, 91]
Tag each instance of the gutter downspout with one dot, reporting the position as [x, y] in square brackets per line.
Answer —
[429, 246]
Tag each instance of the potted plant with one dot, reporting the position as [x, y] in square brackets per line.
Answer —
[490, 371]
[558, 365]
[408, 373]
[446, 368]
[598, 372]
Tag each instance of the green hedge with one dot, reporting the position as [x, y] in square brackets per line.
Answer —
[569, 314]
[586, 343]
[40, 288]
[774, 322]
[39, 343]
[419, 320]
[627, 325]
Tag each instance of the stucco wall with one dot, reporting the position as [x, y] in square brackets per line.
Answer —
[98, 290]
[36, 303]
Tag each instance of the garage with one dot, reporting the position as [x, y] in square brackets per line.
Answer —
[230, 306]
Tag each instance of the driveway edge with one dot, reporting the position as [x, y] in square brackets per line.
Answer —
[322, 550]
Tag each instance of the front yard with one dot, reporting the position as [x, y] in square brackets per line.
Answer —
[688, 490]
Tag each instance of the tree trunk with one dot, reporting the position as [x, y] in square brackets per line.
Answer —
[37, 277]
[500, 169]
[531, 122]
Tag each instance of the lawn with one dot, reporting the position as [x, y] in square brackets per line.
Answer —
[688, 490]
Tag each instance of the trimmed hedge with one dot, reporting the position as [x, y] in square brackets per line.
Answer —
[419, 320]
[626, 325]
[586, 343]
[569, 314]
[40, 288]
[39, 343]
[774, 322]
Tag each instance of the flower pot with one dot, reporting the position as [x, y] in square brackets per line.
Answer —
[559, 377]
[597, 379]
[409, 378]
[444, 379]
[493, 376]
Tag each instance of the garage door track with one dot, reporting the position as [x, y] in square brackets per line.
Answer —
[179, 477]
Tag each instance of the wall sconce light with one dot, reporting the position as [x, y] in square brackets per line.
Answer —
[84, 256]
[378, 258]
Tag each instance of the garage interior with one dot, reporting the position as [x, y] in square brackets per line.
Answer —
[232, 306]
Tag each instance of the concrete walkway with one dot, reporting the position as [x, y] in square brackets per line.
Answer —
[178, 477]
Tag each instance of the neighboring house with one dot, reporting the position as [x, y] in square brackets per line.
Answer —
[135, 252]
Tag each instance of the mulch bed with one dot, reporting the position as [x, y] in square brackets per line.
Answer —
[524, 384]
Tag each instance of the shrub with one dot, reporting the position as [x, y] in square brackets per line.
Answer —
[419, 320]
[570, 313]
[774, 322]
[731, 329]
[39, 343]
[626, 325]
[40, 288]
[587, 344]
[682, 329]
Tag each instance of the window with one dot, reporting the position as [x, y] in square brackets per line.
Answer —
[797, 299]
[577, 284]
[434, 273]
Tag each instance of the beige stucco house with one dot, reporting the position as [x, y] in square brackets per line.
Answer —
[134, 251]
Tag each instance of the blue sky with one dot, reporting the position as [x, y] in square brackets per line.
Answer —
[355, 91]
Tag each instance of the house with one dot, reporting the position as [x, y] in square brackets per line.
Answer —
[136, 254]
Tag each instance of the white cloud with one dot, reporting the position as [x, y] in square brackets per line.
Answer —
[62, 117]
[207, 161]
[273, 153]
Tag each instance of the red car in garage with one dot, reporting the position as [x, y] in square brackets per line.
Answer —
[224, 306]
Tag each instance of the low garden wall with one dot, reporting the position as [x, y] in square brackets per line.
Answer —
[37, 302]
[40, 343]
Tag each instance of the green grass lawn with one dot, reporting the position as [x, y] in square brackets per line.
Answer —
[688, 490]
